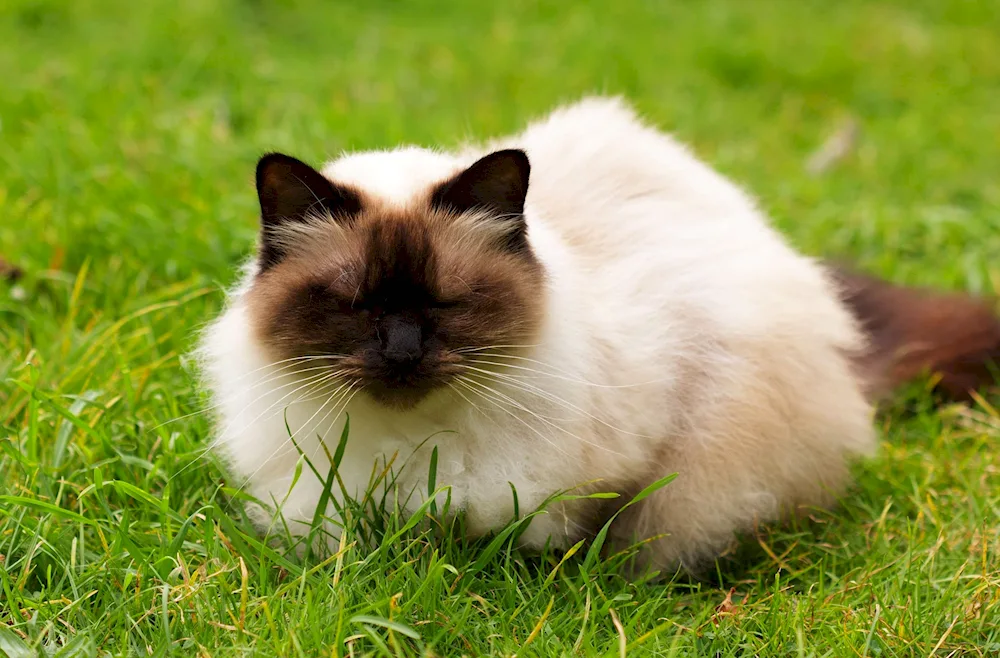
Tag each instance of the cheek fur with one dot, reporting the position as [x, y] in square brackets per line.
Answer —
[304, 322]
[503, 319]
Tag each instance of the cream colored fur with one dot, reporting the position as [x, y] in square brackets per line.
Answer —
[682, 334]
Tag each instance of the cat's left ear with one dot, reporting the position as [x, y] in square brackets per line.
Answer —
[291, 191]
[497, 183]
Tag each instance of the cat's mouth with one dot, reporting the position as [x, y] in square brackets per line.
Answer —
[393, 385]
[400, 397]
[403, 387]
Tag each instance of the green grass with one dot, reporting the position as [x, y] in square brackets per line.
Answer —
[128, 135]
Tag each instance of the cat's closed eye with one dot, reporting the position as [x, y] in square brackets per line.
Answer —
[447, 304]
[325, 296]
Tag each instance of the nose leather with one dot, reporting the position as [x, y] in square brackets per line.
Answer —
[403, 340]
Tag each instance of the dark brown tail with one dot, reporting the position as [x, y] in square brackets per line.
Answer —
[913, 331]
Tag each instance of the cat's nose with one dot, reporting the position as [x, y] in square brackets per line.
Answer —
[403, 341]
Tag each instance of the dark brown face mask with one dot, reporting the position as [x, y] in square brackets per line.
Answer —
[393, 295]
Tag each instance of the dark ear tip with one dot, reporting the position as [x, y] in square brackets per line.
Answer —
[274, 166]
[517, 156]
[268, 160]
[511, 159]
[272, 157]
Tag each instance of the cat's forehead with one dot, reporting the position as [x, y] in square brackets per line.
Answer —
[397, 177]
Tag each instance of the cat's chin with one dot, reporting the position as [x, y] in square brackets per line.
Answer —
[399, 398]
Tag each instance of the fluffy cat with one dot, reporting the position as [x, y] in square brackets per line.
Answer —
[583, 302]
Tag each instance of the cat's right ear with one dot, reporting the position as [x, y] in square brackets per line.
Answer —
[496, 183]
[291, 191]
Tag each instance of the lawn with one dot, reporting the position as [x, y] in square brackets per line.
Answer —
[128, 136]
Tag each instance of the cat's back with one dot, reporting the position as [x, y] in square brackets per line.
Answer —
[671, 254]
[651, 225]
[596, 160]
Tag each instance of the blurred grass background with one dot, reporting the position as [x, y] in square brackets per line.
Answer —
[128, 136]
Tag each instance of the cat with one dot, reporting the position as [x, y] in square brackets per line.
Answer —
[584, 305]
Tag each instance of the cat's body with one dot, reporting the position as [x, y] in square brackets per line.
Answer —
[661, 326]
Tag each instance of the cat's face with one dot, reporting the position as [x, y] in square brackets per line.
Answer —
[398, 298]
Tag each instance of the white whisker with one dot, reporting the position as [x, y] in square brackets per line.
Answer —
[290, 363]
[471, 350]
[351, 392]
[520, 406]
[322, 377]
[315, 386]
[547, 395]
[221, 403]
[468, 387]
[290, 440]
[573, 380]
